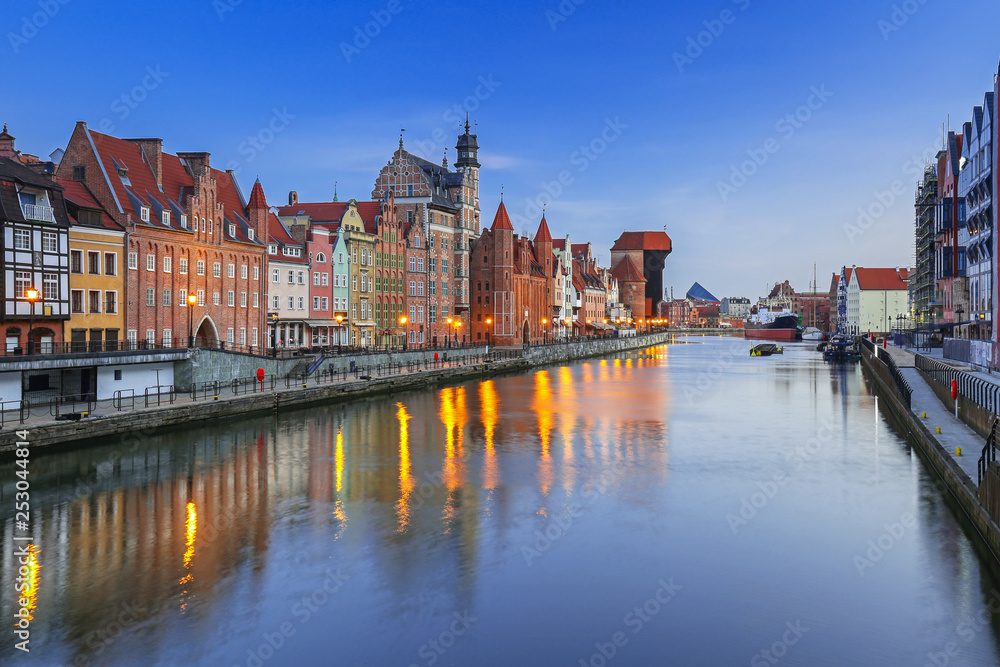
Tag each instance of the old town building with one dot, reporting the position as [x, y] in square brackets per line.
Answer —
[189, 231]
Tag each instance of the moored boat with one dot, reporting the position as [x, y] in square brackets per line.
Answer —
[783, 327]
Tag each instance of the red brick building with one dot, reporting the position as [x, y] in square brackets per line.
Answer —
[648, 250]
[189, 230]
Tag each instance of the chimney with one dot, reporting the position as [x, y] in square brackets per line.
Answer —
[293, 198]
[7, 144]
[153, 150]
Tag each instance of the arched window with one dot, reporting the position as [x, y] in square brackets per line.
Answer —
[321, 258]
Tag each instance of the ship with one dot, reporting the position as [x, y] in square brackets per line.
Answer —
[773, 326]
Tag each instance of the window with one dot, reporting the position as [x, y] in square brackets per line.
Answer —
[182, 265]
[272, 249]
[182, 298]
[168, 264]
[432, 264]
[232, 230]
[413, 288]
[250, 233]
[291, 277]
[144, 213]
[231, 270]
[93, 263]
[201, 297]
[256, 273]
[133, 263]
[94, 301]
[315, 278]
[302, 277]
[165, 217]
[76, 300]
[354, 311]
[315, 303]
[111, 264]
[216, 269]
[420, 314]
[291, 303]
[256, 299]
[168, 337]
[76, 261]
[150, 296]
[354, 283]
[79, 173]
[431, 314]
[243, 299]
[211, 223]
[325, 279]
[275, 302]
[444, 266]
[201, 267]
[132, 335]
[111, 302]
[243, 271]
[420, 288]
[216, 298]
[432, 288]
[151, 262]
[340, 257]
[253, 336]
[243, 336]
[354, 255]
[325, 303]
[50, 286]
[167, 296]
[151, 337]
[231, 299]
[184, 220]
[413, 264]
[50, 242]
[302, 303]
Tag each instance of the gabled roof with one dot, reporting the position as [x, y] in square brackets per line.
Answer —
[882, 279]
[559, 244]
[643, 241]
[501, 220]
[257, 198]
[321, 212]
[12, 172]
[627, 272]
[699, 293]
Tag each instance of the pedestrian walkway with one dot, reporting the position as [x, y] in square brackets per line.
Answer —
[954, 432]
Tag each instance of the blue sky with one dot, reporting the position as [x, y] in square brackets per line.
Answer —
[643, 109]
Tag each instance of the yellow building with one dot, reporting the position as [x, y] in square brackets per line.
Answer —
[360, 239]
[96, 274]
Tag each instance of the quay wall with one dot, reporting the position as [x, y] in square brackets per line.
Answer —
[142, 422]
[950, 476]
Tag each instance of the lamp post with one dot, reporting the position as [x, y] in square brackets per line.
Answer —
[489, 325]
[458, 325]
[447, 336]
[567, 323]
[402, 323]
[192, 300]
[31, 294]
[340, 337]
[958, 320]
[545, 322]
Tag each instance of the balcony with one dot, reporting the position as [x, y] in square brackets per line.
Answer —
[36, 212]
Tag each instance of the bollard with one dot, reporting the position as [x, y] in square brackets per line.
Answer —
[924, 415]
[958, 451]
[938, 429]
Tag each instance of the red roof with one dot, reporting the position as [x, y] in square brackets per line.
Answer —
[542, 235]
[882, 279]
[77, 193]
[501, 220]
[559, 244]
[643, 241]
[627, 272]
[332, 211]
[257, 198]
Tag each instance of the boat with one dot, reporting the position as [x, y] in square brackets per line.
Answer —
[812, 333]
[841, 348]
[770, 326]
[765, 350]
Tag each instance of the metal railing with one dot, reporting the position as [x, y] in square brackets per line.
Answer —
[989, 454]
[38, 212]
[902, 386]
[979, 391]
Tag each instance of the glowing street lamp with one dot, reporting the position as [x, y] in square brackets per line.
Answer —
[340, 337]
[192, 301]
[402, 323]
[31, 294]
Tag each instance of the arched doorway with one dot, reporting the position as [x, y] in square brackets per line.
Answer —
[208, 335]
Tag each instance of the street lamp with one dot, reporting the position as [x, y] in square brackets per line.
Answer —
[402, 323]
[192, 300]
[458, 325]
[31, 294]
[447, 337]
[489, 325]
[567, 322]
[340, 337]
[545, 322]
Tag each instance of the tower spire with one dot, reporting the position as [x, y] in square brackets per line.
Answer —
[335, 191]
[444, 160]
[466, 122]
[401, 130]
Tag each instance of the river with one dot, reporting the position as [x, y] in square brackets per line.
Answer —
[682, 505]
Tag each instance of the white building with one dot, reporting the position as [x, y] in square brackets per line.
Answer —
[876, 298]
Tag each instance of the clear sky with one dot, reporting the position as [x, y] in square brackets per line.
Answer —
[642, 109]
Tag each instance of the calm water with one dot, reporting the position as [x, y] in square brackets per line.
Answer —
[687, 505]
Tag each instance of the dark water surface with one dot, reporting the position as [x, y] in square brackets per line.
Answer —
[687, 505]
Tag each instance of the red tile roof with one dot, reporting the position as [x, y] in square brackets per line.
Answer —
[559, 244]
[502, 220]
[643, 241]
[881, 279]
[77, 193]
[627, 272]
[257, 198]
[331, 211]
[543, 235]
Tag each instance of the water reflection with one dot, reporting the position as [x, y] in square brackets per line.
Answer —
[427, 500]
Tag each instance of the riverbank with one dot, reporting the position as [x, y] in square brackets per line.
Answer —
[185, 410]
[937, 451]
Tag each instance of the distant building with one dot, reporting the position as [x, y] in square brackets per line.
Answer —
[975, 191]
[735, 307]
[875, 299]
[949, 257]
[926, 307]
[648, 250]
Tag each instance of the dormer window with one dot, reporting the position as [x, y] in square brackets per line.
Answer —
[272, 249]
[165, 217]
[184, 221]
[232, 230]
[144, 213]
[250, 234]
